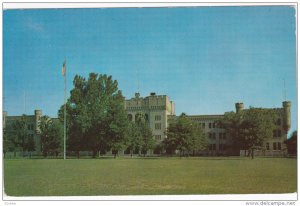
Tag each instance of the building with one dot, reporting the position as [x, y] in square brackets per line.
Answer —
[156, 109]
[220, 143]
[159, 110]
[31, 123]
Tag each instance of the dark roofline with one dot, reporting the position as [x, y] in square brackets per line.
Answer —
[20, 116]
[206, 115]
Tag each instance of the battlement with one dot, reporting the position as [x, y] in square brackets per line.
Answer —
[152, 101]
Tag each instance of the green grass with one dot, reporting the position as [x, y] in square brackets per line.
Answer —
[155, 176]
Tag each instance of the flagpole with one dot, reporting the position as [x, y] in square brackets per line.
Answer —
[65, 107]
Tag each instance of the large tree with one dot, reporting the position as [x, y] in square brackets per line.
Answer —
[139, 135]
[51, 136]
[258, 125]
[147, 142]
[232, 123]
[249, 128]
[9, 144]
[96, 119]
[184, 135]
[133, 138]
[20, 129]
[16, 137]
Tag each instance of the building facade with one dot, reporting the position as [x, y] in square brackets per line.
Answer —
[156, 109]
[159, 110]
[32, 125]
[220, 143]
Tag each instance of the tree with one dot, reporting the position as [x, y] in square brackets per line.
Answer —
[139, 135]
[133, 137]
[249, 128]
[96, 119]
[51, 135]
[184, 135]
[30, 145]
[8, 143]
[198, 139]
[147, 141]
[292, 143]
[258, 124]
[147, 138]
[21, 133]
[232, 123]
[17, 137]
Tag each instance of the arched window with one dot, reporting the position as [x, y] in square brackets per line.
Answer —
[146, 117]
[129, 116]
[136, 117]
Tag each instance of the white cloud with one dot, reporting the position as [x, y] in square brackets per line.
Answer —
[35, 26]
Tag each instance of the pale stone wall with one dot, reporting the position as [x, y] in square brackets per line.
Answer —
[218, 141]
[156, 107]
[272, 146]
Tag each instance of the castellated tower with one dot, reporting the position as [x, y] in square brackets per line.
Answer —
[156, 109]
[286, 115]
[239, 107]
[37, 114]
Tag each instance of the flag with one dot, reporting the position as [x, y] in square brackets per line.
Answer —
[63, 70]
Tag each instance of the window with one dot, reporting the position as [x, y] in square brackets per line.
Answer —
[158, 137]
[209, 125]
[214, 135]
[129, 116]
[213, 125]
[222, 135]
[209, 135]
[274, 133]
[157, 126]
[222, 147]
[279, 133]
[212, 147]
[278, 122]
[30, 126]
[274, 146]
[203, 125]
[157, 117]
[279, 146]
[267, 146]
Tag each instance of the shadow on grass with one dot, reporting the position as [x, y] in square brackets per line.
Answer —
[204, 158]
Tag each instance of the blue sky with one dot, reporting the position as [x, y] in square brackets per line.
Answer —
[204, 58]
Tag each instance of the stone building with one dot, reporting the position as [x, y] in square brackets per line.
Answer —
[220, 143]
[159, 110]
[31, 124]
[156, 109]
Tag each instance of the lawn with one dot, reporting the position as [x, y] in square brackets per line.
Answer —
[149, 176]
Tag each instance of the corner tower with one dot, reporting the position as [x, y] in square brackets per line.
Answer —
[37, 115]
[286, 115]
[239, 106]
